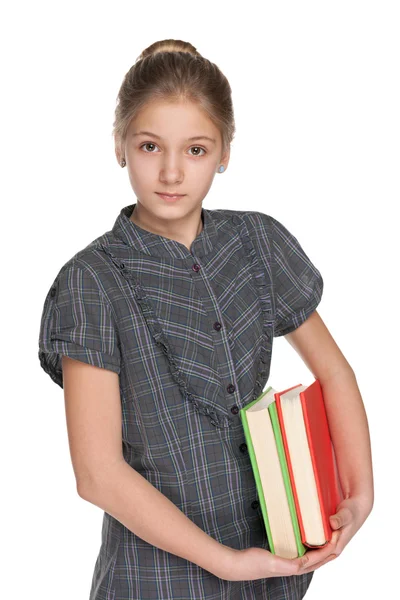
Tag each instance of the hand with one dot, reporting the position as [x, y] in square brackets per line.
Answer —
[350, 515]
[255, 563]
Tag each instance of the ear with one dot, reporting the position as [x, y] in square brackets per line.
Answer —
[225, 157]
[119, 149]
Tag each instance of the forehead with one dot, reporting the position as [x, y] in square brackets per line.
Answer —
[174, 120]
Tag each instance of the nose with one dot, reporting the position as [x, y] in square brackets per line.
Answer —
[171, 173]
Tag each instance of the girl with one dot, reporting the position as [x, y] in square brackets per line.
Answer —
[161, 330]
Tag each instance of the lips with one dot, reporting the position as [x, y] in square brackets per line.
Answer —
[170, 195]
[170, 199]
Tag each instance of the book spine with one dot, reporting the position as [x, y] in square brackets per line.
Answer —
[286, 477]
[290, 468]
[256, 474]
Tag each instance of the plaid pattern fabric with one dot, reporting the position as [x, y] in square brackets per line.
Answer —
[190, 334]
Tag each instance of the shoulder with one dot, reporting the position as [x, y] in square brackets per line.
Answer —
[257, 225]
[255, 220]
[260, 225]
[86, 277]
[90, 259]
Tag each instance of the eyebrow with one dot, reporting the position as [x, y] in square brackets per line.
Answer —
[191, 139]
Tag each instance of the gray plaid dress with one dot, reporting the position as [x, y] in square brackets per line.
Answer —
[190, 335]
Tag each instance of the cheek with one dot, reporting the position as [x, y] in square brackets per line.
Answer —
[203, 177]
[201, 169]
[141, 173]
[140, 166]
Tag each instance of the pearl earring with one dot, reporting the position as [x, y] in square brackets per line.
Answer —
[221, 169]
[123, 162]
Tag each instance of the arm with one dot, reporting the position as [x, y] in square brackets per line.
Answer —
[345, 409]
[104, 478]
[347, 422]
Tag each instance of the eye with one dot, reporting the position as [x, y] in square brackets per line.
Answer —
[198, 148]
[155, 146]
[148, 144]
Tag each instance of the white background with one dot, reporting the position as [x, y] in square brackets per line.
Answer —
[316, 94]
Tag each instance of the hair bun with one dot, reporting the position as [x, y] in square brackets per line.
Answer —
[169, 46]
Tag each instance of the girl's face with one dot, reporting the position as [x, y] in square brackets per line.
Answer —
[161, 157]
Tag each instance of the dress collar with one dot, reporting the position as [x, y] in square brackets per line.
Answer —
[157, 245]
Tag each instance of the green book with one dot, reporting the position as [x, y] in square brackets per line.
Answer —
[268, 460]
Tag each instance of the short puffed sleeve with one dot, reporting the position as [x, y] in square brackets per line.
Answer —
[77, 321]
[298, 285]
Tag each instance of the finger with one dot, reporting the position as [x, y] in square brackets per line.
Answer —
[286, 566]
[313, 557]
[343, 517]
[318, 565]
[344, 539]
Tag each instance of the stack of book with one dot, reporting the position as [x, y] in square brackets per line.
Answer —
[294, 466]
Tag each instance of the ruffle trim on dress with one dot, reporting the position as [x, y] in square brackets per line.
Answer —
[218, 419]
[265, 290]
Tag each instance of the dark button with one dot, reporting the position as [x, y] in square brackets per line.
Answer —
[53, 292]
[196, 267]
[234, 410]
[217, 326]
[231, 388]
[243, 447]
[121, 266]
[255, 504]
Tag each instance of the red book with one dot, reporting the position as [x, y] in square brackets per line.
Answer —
[311, 460]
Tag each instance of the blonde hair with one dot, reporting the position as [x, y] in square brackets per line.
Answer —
[174, 70]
